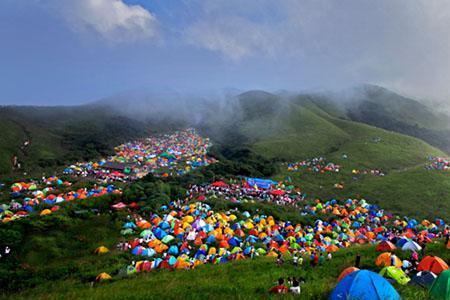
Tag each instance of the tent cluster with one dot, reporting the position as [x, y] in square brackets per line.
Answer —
[33, 186]
[249, 190]
[165, 155]
[317, 165]
[42, 199]
[431, 273]
[186, 236]
[438, 163]
[373, 172]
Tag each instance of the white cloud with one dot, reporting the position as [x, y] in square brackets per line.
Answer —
[233, 37]
[113, 20]
[401, 44]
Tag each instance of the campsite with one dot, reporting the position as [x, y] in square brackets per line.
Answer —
[188, 228]
[223, 149]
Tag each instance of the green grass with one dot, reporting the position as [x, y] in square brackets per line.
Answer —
[293, 134]
[248, 279]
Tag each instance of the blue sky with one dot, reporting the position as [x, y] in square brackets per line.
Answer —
[56, 52]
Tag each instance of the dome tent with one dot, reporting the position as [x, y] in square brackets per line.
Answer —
[441, 287]
[364, 285]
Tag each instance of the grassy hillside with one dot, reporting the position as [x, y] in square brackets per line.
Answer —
[380, 107]
[295, 133]
[299, 129]
[61, 135]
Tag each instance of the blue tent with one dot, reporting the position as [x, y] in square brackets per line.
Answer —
[129, 225]
[173, 250]
[211, 239]
[164, 225]
[364, 285]
[159, 233]
[261, 183]
[234, 241]
[424, 279]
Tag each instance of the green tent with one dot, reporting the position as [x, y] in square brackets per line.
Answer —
[396, 274]
[441, 286]
[261, 251]
[236, 250]
[146, 232]
[127, 231]
[167, 239]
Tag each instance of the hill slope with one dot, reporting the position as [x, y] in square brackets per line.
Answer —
[382, 108]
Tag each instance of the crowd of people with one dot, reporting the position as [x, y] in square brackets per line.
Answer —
[244, 191]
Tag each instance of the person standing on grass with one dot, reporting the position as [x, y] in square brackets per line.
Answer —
[295, 259]
[321, 259]
[358, 260]
[316, 259]
[295, 288]
[422, 251]
[280, 288]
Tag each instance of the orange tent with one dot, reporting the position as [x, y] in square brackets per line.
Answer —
[384, 259]
[347, 271]
[385, 246]
[332, 248]
[272, 254]
[433, 264]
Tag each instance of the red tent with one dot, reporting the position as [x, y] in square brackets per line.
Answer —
[219, 184]
[117, 174]
[433, 264]
[385, 246]
[119, 205]
[277, 192]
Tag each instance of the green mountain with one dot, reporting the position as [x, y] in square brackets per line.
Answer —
[60, 135]
[276, 127]
[382, 108]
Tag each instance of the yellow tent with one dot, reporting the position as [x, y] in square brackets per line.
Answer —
[101, 250]
[46, 212]
[103, 276]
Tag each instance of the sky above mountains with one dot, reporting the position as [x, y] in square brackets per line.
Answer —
[63, 52]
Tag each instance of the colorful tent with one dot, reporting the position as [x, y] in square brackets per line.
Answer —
[411, 246]
[101, 250]
[364, 285]
[385, 246]
[423, 278]
[440, 290]
[384, 260]
[347, 271]
[395, 273]
[45, 212]
[103, 276]
[433, 264]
